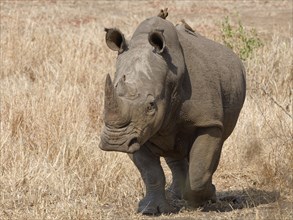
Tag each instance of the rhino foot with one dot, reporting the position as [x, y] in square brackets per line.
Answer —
[197, 199]
[148, 206]
[173, 193]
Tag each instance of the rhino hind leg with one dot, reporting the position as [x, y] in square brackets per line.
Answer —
[203, 161]
[179, 169]
[154, 202]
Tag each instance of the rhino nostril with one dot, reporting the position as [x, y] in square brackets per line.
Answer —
[132, 141]
[133, 145]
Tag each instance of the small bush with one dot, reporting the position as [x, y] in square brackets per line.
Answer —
[241, 41]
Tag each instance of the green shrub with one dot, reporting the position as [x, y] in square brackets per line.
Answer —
[243, 42]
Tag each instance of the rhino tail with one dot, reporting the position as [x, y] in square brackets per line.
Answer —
[163, 13]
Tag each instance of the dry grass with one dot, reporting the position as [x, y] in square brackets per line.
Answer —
[53, 65]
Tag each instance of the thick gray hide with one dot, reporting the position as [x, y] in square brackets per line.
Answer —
[175, 94]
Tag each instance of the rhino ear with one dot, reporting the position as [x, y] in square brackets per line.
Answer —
[115, 39]
[157, 40]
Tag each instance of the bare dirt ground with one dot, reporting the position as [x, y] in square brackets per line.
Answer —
[53, 66]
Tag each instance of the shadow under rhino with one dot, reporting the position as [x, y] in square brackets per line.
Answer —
[239, 199]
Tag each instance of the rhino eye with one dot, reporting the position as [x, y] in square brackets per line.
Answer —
[151, 108]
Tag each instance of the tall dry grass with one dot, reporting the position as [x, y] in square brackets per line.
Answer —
[53, 65]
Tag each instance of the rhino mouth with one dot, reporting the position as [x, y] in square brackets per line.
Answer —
[119, 140]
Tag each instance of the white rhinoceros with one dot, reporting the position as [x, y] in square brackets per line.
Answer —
[177, 95]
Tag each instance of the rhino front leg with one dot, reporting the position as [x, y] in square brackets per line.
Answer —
[203, 161]
[149, 166]
[179, 169]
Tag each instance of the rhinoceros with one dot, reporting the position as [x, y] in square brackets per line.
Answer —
[177, 95]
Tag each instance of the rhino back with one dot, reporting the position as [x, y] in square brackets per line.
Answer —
[217, 79]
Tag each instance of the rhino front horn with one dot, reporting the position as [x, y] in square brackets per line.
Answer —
[111, 104]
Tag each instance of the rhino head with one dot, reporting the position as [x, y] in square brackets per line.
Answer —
[138, 99]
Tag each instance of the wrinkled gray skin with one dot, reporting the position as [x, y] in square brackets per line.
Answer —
[175, 95]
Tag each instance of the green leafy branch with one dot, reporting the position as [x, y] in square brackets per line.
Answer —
[241, 41]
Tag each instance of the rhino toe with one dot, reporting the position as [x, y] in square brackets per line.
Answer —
[157, 207]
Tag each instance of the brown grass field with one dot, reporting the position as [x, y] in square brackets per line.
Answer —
[54, 61]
